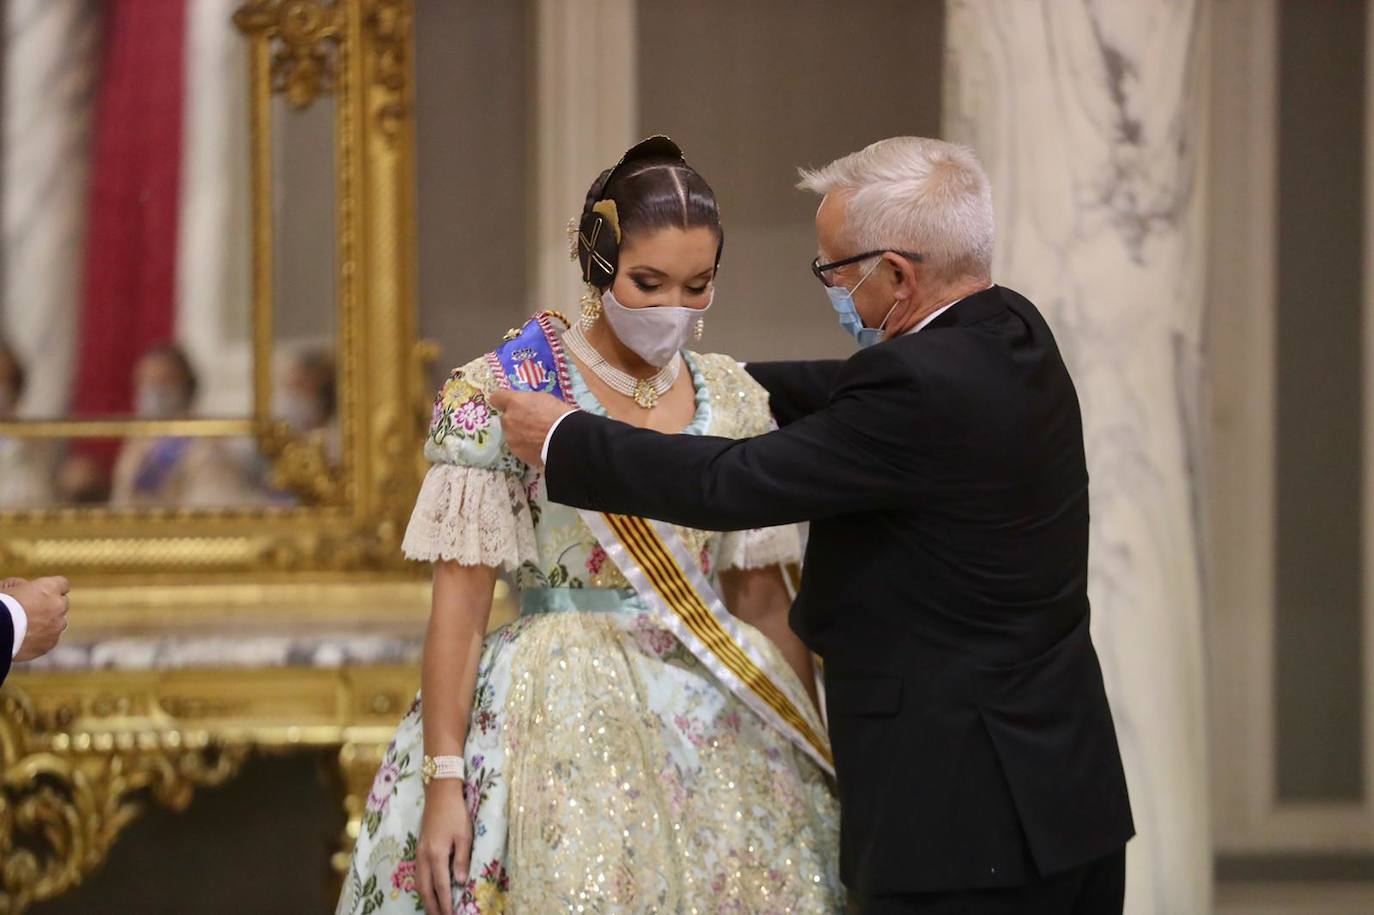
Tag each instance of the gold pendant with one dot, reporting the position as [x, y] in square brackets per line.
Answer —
[645, 395]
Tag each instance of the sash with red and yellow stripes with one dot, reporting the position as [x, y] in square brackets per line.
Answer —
[654, 558]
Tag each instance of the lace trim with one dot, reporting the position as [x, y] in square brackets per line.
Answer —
[472, 516]
[760, 548]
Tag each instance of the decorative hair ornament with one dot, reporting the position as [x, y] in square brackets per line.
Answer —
[607, 210]
[574, 248]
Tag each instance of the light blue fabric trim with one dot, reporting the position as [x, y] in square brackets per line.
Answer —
[580, 600]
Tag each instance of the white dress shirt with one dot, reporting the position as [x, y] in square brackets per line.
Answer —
[21, 621]
[548, 437]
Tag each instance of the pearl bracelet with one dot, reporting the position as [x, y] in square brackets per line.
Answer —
[442, 767]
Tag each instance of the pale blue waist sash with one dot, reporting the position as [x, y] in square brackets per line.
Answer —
[580, 600]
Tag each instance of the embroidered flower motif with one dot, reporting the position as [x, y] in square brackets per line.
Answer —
[403, 879]
[705, 561]
[473, 416]
[596, 559]
[494, 872]
[383, 786]
[658, 642]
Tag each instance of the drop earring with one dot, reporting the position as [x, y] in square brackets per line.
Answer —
[700, 329]
[591, 309]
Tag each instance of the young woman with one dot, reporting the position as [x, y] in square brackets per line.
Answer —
[599, 754]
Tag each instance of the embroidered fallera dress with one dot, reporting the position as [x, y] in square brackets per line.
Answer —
[608, 770]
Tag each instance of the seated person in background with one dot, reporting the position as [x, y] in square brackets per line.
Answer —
[82, 480]
[24, 478]
[308, 398]
[173, 470]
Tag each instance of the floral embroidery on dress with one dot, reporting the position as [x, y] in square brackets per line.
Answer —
[384, 787]
[461, 410]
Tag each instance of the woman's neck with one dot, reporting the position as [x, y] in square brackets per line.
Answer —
[616, 353]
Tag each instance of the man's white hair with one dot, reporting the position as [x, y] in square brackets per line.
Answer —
[915, 194]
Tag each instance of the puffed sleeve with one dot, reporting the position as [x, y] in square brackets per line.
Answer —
[745, 412]
[472, 508]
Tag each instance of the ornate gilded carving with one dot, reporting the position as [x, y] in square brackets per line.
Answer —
[305, 66]
[65, 798]
[301, 464]
[358, 764]
[390, 21]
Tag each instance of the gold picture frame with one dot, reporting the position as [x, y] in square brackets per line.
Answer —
[353, 514]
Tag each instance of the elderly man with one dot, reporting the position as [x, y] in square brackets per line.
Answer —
[945, 582]
[35, 617]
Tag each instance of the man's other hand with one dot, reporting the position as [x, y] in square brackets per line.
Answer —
[45, 604]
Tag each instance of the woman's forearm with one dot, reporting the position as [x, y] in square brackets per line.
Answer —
[759, 597]
[453, 648]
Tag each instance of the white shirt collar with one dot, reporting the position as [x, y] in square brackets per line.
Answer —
[941, 310]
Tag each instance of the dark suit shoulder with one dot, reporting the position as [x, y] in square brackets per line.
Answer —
[886, 363]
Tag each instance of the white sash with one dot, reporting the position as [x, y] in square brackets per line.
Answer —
[662, 571]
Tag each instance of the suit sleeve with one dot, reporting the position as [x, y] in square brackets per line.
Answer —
[855, 455]
[6, 642]
[796, 389]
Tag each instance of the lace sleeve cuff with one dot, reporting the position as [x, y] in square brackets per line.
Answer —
[472, 516]
[761, 548]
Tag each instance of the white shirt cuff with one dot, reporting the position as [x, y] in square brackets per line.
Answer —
[544, 452]
[21, 621]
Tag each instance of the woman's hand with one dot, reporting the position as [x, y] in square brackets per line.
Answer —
[445, 847]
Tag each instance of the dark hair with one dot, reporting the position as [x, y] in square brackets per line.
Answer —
[658, 192]
[662, 193]
[14, 368]
[319, 365]
[177, 355]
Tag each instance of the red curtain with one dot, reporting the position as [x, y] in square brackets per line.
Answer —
[131, 241]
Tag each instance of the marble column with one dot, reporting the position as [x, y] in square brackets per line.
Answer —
[51, 64]
[214, 228]
[585, 119]
[1088, 117]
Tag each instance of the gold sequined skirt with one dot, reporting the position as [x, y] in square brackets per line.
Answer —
[609, 772]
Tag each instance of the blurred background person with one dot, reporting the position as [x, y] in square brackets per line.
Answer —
[308, 398]
[81, 479]
[25, 479]
[175, 470]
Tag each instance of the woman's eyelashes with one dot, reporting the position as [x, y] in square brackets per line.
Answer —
[645, 286]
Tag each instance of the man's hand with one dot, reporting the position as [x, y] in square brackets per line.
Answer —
[526, 420]
[45, 604]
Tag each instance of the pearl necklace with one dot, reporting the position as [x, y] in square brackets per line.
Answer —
[644, 391]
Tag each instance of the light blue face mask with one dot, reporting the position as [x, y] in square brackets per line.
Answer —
[842, 300]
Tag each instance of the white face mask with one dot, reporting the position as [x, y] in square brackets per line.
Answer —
[157, 402]
[301, 413]
[656, 334]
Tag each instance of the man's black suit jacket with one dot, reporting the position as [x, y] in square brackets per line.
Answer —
[945, 587]
[6, 642]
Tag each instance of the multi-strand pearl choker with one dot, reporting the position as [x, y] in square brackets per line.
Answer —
[644, 391]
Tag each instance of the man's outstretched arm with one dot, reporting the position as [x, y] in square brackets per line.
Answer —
[796, 389]
[857, 454]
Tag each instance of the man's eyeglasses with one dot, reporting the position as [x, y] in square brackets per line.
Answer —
[820, 270]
